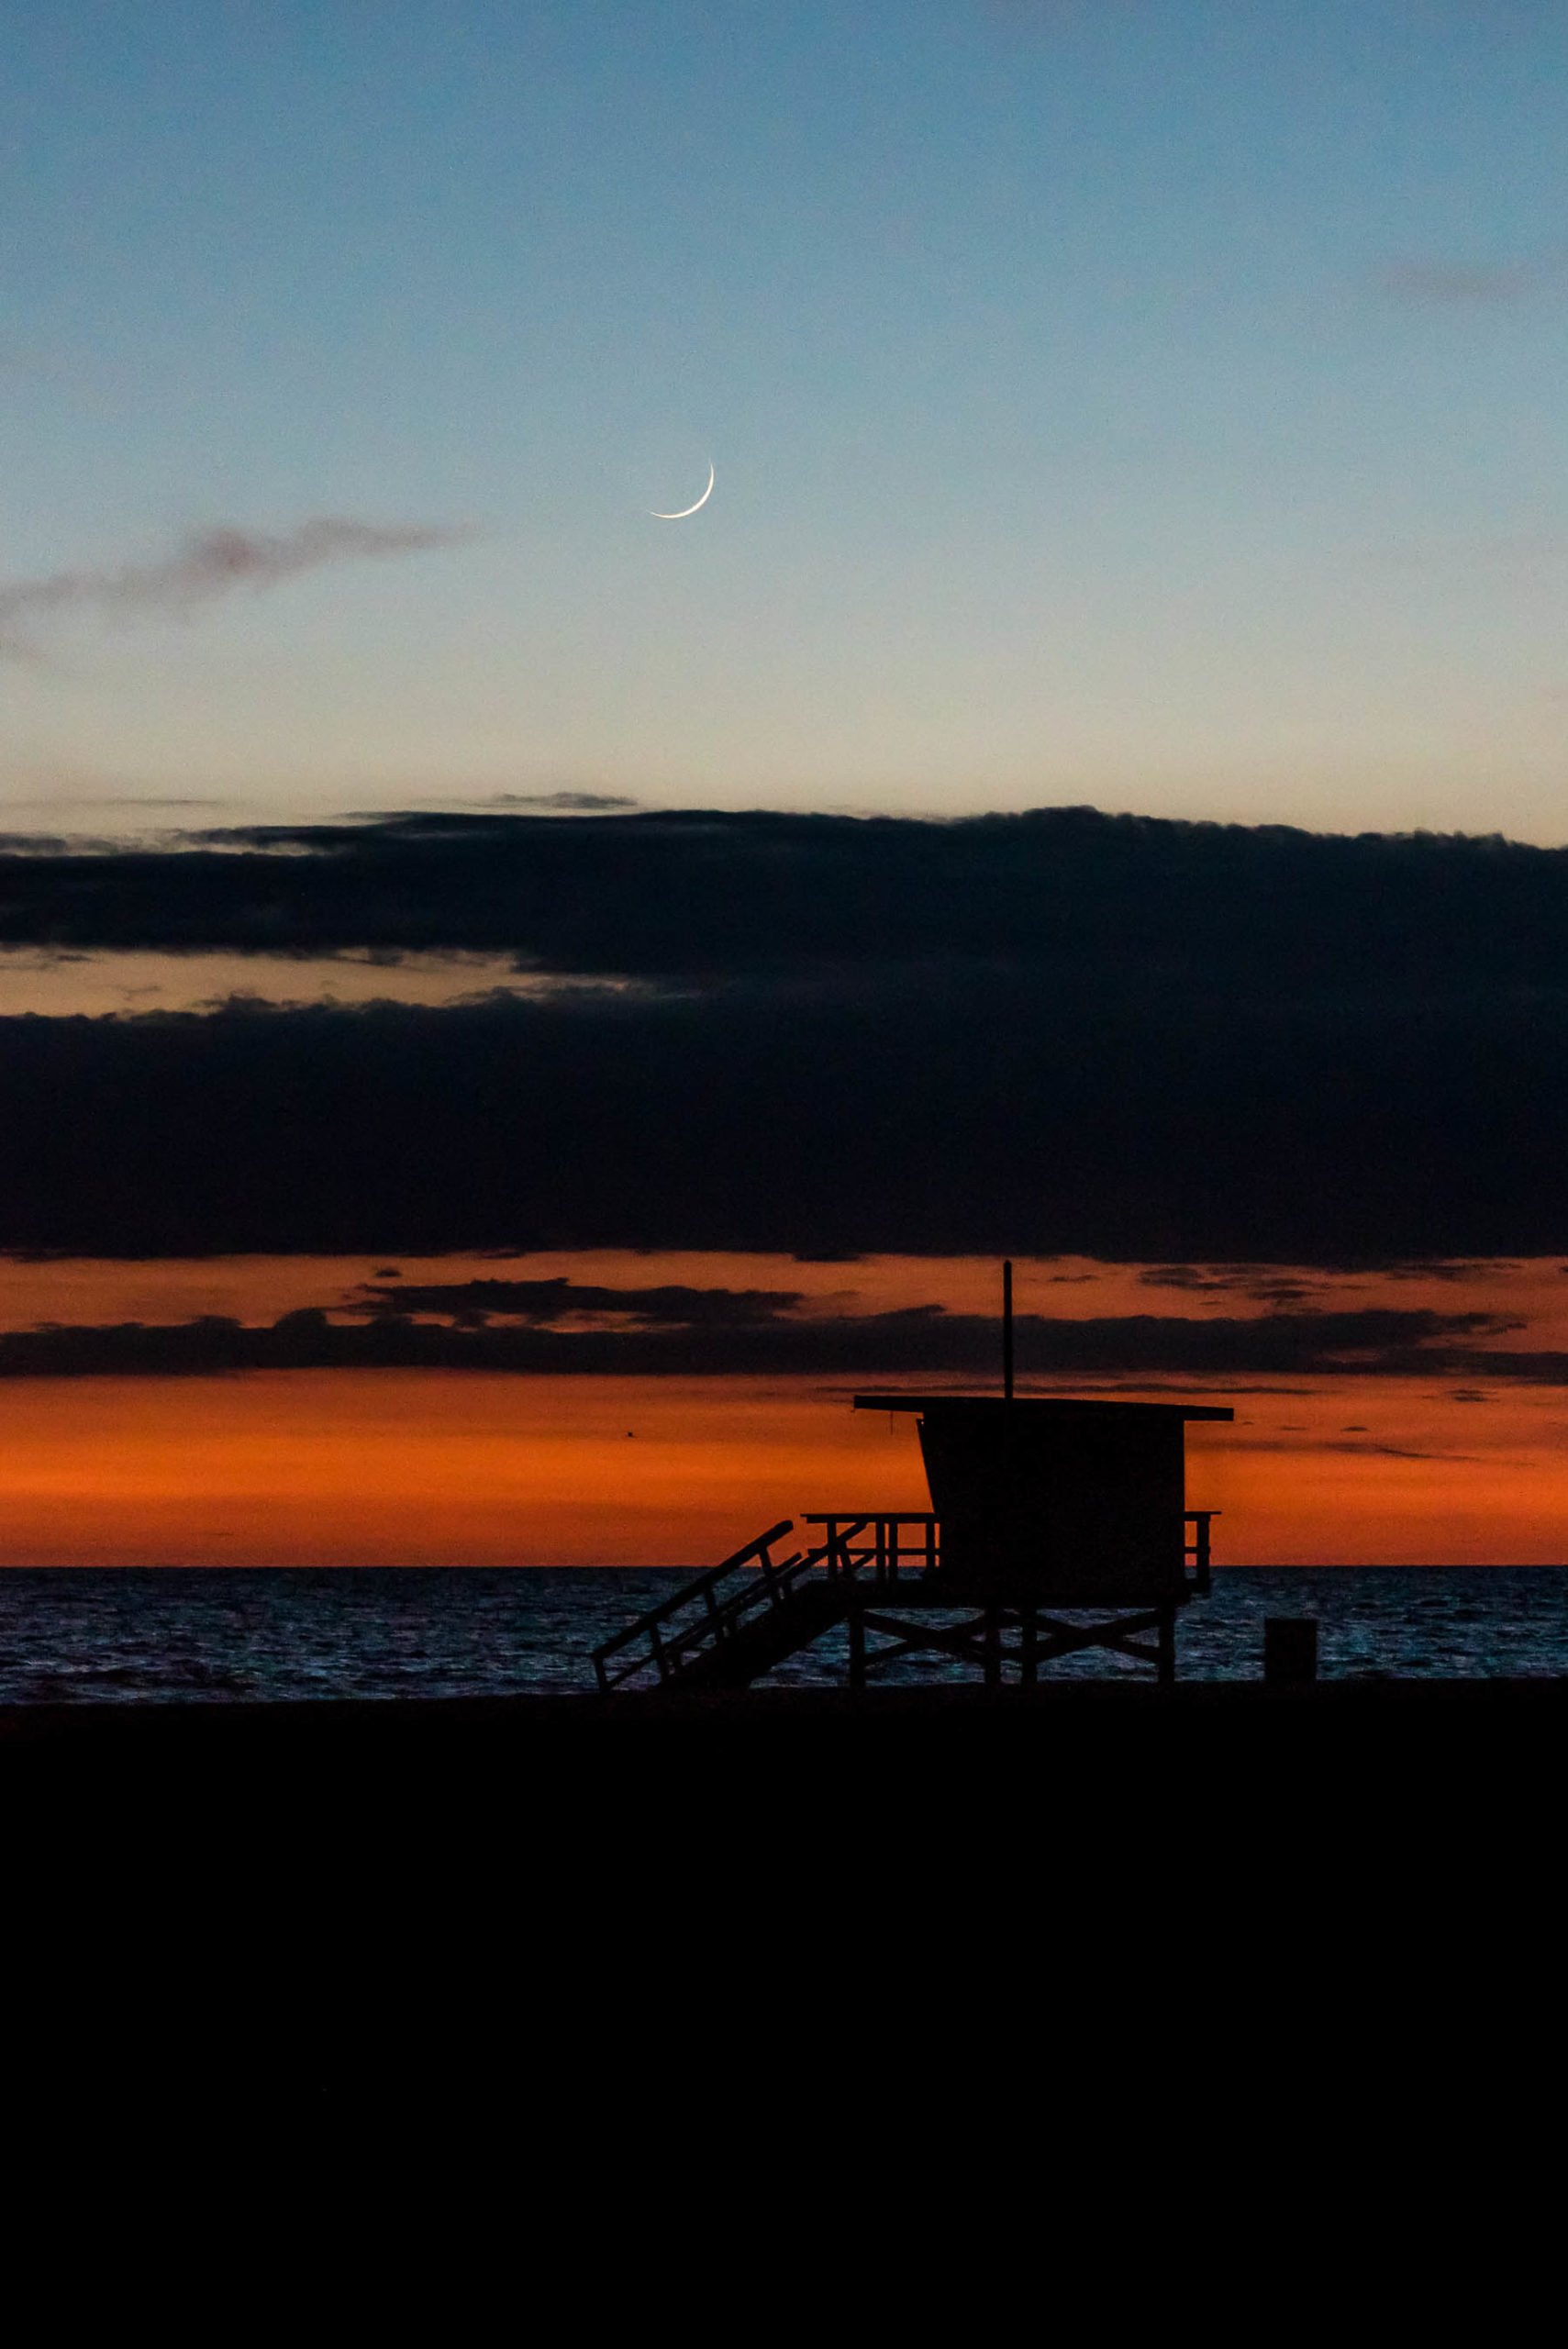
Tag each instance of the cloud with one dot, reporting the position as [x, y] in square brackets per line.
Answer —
[751, 1332]
[1286, 1286]
[1065, 892]
[1213, 1048]
[565, 802]
[206, 566]
[1470, 284]
[1274, 1287]
[479, 1301]
[1394, 1452]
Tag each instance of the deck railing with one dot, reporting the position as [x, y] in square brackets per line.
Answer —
[1196, 1552]
[874, 1547]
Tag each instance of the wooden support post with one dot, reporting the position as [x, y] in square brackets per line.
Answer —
[1165, 1669]
[857, 1647]
[993, 1647]
[1028, 1649]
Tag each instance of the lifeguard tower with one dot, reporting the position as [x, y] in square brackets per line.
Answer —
[1056, 1524]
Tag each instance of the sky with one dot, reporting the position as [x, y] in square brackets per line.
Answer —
[1152, 406]
[1404, 1415]
[1148, 405]
[530, 1188]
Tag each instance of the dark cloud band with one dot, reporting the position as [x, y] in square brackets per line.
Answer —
[741, 1333]
[1161, 1042]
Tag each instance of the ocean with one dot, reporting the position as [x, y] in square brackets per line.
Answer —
[125, 1636]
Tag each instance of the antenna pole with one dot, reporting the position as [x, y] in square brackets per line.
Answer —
[1008, 1328]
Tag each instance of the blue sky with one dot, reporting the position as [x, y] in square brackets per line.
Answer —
[1156, 403]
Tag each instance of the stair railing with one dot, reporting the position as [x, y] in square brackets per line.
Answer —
[664, 1638]
[704, 1611]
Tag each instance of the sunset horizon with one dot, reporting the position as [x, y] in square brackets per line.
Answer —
[668, 683]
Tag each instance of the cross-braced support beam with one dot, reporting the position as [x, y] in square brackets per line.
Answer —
[1022, 1637]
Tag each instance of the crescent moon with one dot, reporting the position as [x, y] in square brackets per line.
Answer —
[685, 510]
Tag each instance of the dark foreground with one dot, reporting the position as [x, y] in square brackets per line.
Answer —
[954, 1718]
[497, 1882]
[512, 1797]
[774, 1718]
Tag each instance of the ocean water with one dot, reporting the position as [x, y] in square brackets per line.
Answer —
[119, 1636]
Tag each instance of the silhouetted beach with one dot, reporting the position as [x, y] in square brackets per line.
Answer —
[542, 1775]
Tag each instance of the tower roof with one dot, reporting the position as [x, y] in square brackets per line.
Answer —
[1067, 1406]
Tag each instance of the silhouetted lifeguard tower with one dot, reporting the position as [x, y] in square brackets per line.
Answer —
[1042, 1507]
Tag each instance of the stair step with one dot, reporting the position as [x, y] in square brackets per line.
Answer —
[765, 1641]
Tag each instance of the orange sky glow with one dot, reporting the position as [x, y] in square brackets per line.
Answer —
[405, 1467]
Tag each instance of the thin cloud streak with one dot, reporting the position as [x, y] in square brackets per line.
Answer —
[1470, 284]
[689, 1332]
[206, 566]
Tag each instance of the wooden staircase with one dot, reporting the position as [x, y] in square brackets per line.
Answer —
[738, 1619]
